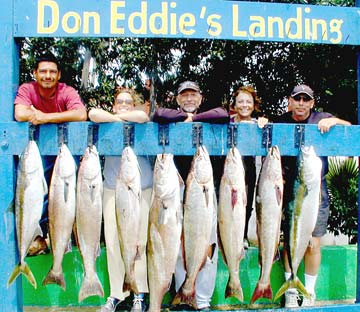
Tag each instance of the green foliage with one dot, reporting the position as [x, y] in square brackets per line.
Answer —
[342, 180]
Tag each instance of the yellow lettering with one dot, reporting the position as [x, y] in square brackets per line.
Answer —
[115, 17]
[51, 25]
[273, 21]
[187, 20]
[295, 31]
[173, 19]
[162, 21]
[95, 17]
[335, 27]
[215, 27]
[76, 24]
[141, 16]
[323, 29]
[257, 29]
[236, 32]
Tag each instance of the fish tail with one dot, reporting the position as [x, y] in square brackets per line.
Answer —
[186, 296]
[293, 282]
[234, 290]
[55, 278]
[91, 286]
[22, 269]
[262, 291]
[130, 284]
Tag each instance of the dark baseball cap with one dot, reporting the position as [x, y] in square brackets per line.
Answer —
[302, 89]
[191, 85]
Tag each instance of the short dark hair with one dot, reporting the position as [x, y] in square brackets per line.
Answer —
[46, 57]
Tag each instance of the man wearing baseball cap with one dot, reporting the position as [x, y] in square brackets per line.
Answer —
[189, 99]
[300, 110]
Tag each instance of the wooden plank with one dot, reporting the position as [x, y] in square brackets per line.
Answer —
[111, 139]
[211, 19]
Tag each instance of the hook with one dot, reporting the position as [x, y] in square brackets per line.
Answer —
[232, 135]
[62, 133]
[93, 134]
[128, 134]
[163, 136]
[267, 136]
[197, 135]
[299, 136]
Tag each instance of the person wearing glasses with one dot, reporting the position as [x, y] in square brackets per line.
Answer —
[300, 110]
[128, 106]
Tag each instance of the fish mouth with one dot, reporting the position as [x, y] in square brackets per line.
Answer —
[275, 152]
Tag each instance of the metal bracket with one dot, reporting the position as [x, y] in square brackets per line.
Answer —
[33, 132]
[231, 135]
[129, 131]
[62, 133]
[197, 134]
[299, 136]
[267, 136]
[93, 134]
[163, 134]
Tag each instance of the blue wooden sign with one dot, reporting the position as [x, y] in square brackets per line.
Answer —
[213, 19]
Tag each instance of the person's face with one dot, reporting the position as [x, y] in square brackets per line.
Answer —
[244, 105]
[189, 101]
[123, 103]
[300, 106]
[47, 75]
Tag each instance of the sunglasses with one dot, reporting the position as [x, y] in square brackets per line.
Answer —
[127, 101]
[305, 98]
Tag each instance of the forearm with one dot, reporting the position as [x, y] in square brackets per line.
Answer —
[100, 115]
[137, 116]
[67, 116]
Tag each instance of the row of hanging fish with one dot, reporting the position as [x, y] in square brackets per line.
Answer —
[75, 200]
[78, 200]
[303, 210]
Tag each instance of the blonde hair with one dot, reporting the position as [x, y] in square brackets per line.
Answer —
[252, 92]
[137, 98]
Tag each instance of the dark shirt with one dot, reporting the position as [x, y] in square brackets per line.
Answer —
[217, 115]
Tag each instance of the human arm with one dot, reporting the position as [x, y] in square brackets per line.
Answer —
[216, 115]
[325, 124]
[37, 117]
[100, 115]
[168, 115]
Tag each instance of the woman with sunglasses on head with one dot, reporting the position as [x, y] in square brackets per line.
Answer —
[300, 110]
[128, 106]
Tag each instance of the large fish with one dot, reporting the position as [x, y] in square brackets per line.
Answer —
[31, 188]
[165, 225]
[62, 201]
[269, 198]
[128, 197]
[199, 213]
[88, 219]
[303, 211]
[231, 219]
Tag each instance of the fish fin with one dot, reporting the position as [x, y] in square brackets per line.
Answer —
[66, 191]
[262, 291]
[55, 278]
[279, 194]
[11, 207]
[234, 290]
[45, 186]
[234, 198]
[292, 282]
[186, 297]
[25, 270]
[91, 286]
[162, 217]
[68, 247]
[130, 285]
